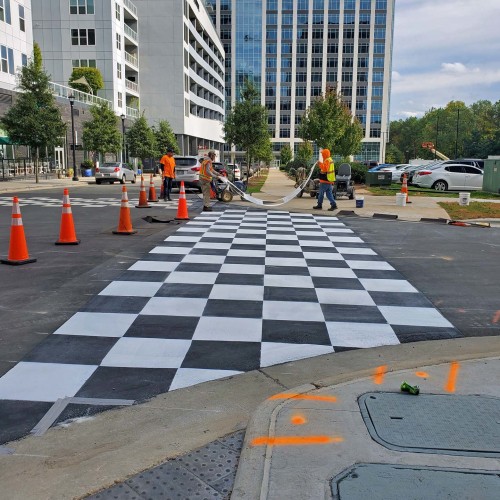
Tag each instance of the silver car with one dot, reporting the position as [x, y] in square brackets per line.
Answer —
[113, 172]
[451, 177]
[187, 169]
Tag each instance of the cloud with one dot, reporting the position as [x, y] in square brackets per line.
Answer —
[395, 76]
[453, 68]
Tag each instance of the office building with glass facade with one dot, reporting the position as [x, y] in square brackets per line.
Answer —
[294, 50]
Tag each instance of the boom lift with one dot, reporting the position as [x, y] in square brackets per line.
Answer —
[430, 147]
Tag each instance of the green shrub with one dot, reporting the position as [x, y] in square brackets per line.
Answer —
[358, 173]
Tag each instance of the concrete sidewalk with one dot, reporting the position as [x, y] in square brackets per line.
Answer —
[19, 185]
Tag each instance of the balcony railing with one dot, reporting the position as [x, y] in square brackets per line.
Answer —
[132, 112]
[132, 86]
[130, 6]
[64, 92]
[130, 32]
[131, 59]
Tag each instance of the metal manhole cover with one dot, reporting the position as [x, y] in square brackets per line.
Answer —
[394, 482]
[434, 423]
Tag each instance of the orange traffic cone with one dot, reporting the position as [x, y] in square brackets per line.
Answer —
[162, 190]
[67, 234]
[18, 250]
[152, 191]
[404, 187]
[213, 195]
[125, 224]
[182, 209]
[143, 199]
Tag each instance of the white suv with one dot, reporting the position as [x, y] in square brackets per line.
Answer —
[187, 169]
[235, 169]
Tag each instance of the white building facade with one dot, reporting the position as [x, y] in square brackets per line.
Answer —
[182, 71]
[16, 39]
[294, 50]
[90, 33]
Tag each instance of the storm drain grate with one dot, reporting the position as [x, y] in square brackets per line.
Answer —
[395, 482]
[434, 423]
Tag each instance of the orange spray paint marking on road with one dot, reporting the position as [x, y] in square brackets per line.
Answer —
[452, 377]
[378, 376]
[298, 420]
[422, 374]
[295, 440]
[330, 399]
[496, 317]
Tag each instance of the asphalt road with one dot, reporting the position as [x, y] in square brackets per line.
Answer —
[35, 299]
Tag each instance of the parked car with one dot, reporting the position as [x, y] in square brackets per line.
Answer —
[395, 171]
[235, 169]
[244, 169]
[220, 168]
[451, 177]
[113, 172]
[473, 162]
[411, 169]
[380, 167]
[187, 169]
[370, 163]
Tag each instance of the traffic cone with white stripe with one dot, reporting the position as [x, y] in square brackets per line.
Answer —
[143, 199]
[152, 198]
[404, 188]
[67, 234]
[125, 223]
[182, 209]
[18, 250]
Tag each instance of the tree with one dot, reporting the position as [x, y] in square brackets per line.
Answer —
[329, 123]
[305, 152]
[101, 134]
[265, 152]
[165, 138]
[286, 154]
[93, 77]
[141, 140]
[246, 123]
[394, 155]
[34, 120]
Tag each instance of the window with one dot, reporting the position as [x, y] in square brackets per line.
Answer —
[118, 71]
[376, 119]
[117, 11]
[82, 37]
[81, 6]
[24, 59]
[118, 41]
[365, 4]
[120, 99]
[83, 63]
[376, 105]
[378, 76]
[22, 25]
[7, 60]
[377, 91]
[364, 19]
[378, 62]
[300, 91]
[5, 11]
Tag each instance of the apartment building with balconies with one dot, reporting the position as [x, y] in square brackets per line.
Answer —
[88, 33]
[182, 71]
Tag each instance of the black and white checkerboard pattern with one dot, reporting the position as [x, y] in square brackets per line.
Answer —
[228, 292]
[47, 202]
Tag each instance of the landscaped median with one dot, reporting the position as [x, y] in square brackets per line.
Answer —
[256, 182]
[475, 210]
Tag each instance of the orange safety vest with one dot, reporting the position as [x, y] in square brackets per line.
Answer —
[327, 174]
[205, 168]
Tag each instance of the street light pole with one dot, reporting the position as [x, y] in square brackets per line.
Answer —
[72, 102]
[456, 138]
[123, 137]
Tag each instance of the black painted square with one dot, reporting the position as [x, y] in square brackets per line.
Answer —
[184, 290]
[292, 294]
[163, 327]
[240, 279]
[233, 308]
[352, 314]
[295, 332]
[115, 304]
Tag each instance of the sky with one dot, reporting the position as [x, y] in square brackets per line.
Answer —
[444, 50]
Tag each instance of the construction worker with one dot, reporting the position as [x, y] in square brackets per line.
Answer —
[207, 173]
[168, 162]
[326, 181]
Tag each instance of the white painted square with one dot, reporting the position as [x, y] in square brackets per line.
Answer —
[291, 237]
[196, 278]
[44, 381]
[229, 329]
[345, 239]
[316, 244]
[249, 241]
[213, 246]
[187, 377]
[369, 264]
[239, 292]
[346, 297]
[242, 269]
[218, 225]
[292, 311]
[183, 239]
[246, 253]
[414, 316]
[378, 285]
[251, 231]
[191, 230]
[203, 259]
[361, 334]
[199, 223]
[288, 281]
[153, 265]
[215, 234]
[273, 353]
[323, 218]
[175, 306]
[356, 251]
[336, 230]
[284, 248]
[131, 352]
[131, 289]
[331, 272]
[97, 324]
[171, 250]
[284, 261]
[323, 256]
